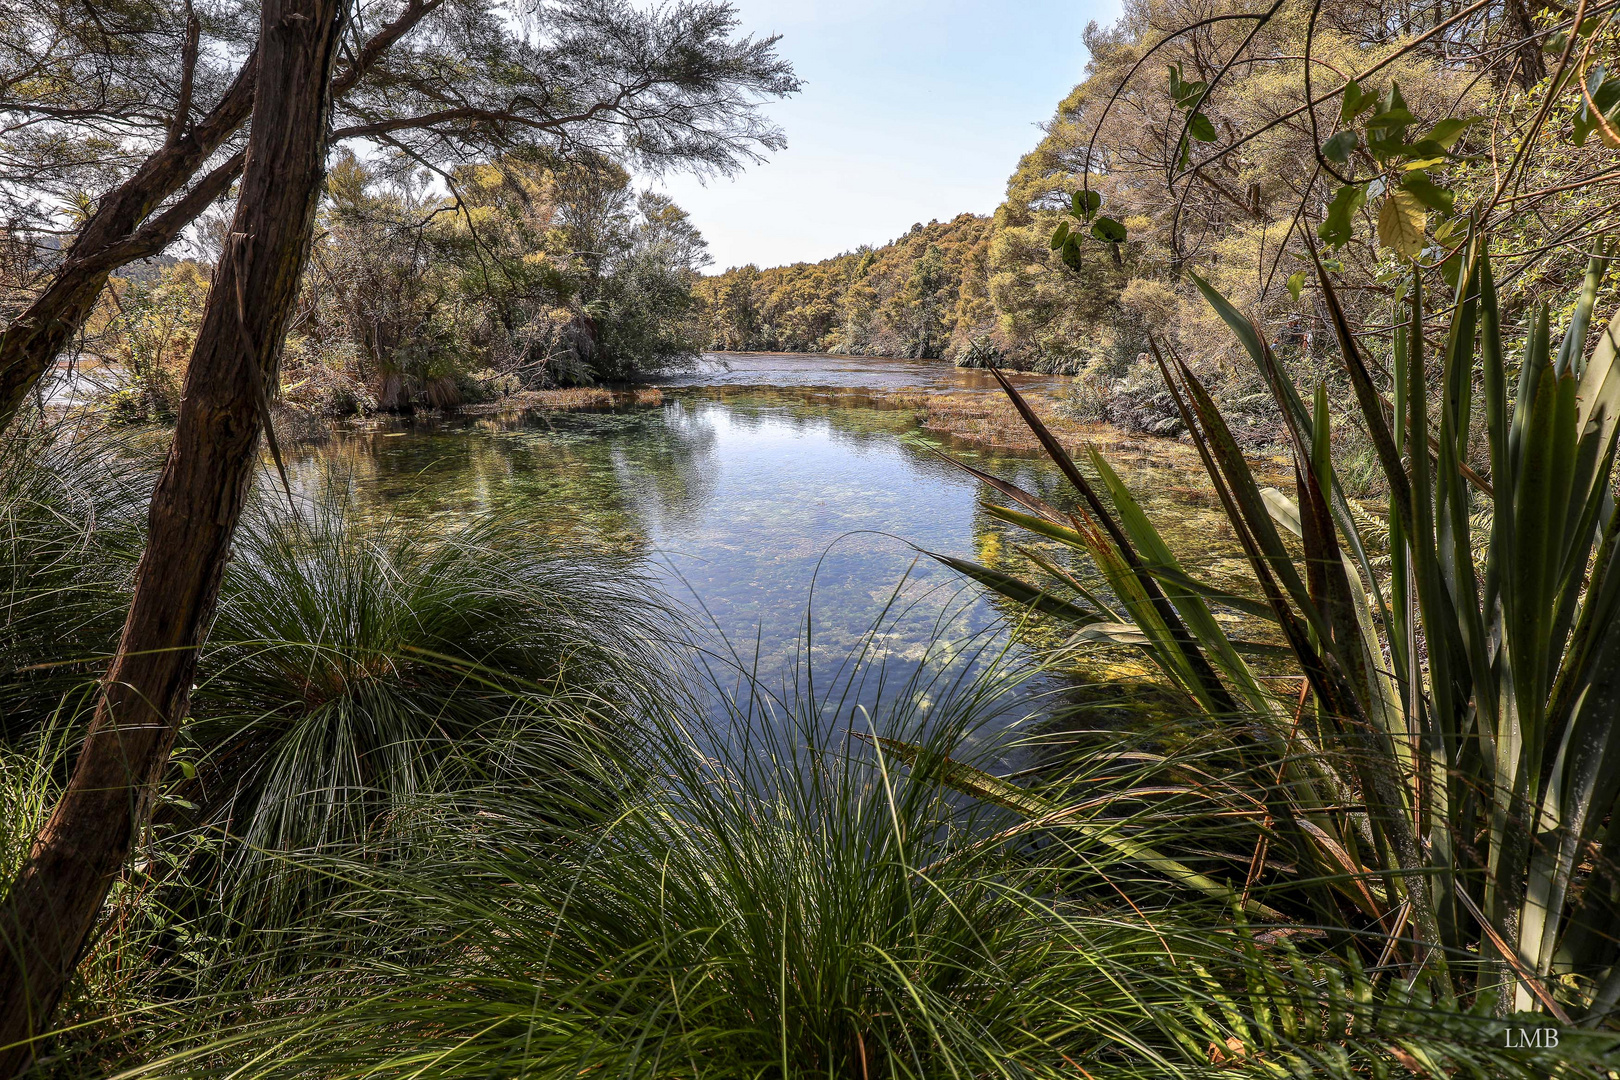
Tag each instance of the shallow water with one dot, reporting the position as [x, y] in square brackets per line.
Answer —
[772, 506]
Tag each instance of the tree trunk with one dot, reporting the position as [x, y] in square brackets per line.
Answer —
[54, 902]
[1532, 67]
[110, 239]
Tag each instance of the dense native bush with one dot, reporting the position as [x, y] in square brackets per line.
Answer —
[1232, 196]
[548, 272]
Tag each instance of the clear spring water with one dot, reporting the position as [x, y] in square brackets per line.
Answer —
[769, 506]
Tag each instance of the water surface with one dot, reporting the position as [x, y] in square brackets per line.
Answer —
[780, 512]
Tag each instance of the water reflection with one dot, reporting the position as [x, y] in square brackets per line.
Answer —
[780, 514]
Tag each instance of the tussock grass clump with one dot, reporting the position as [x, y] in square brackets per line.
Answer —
[354, 667]
[794, 887]
[72, 515]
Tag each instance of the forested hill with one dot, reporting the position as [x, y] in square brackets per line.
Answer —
[1196, 168]
[923, 295]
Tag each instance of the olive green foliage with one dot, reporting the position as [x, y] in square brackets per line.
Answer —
[544, 272]
[1187, 147]
[383, 655]
[72, 510]
[352, 666]
[151, 326]
[436, 804]
[768, 890]
[919, 296]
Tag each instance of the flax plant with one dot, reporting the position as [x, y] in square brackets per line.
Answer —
[1447, 775]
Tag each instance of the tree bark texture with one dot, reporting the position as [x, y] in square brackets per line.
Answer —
[54, 903]
[1532, 66]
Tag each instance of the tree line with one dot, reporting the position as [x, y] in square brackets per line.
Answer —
[1188, 147]
[539, 270]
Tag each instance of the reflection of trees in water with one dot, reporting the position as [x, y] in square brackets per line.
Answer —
[667, 466]
[584, 475]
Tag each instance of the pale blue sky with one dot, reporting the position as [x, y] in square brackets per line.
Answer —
[911, 110]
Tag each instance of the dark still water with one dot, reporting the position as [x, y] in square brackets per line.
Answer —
[769, 507]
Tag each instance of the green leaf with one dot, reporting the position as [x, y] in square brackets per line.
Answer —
[1027, 804]
[1424, 150]
[1183, 93]
[1429, 193]
[1296, 283]
[1020, 592]
[1338, 224]
[1451, 269]
[1392, 112]
[1605, 94]
[1109, 231]
[1084, 203]
[1448, 131]
[1200, 128]
[1070, 252]
[1059, 234]
[1400, 223]
[1353, 102]
[1338, 148]
[1190, 93]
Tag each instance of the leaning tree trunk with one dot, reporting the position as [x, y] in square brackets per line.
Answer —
[114, 236]
[119, 232]
[54, 902]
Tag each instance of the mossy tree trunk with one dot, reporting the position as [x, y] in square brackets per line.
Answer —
[54, 902]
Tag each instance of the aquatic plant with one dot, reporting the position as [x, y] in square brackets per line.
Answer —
[1446, 773]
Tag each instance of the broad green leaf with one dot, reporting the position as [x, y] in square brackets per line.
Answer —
[1108, 230]
[1200, 128]
[1448, 131]
[1400, 223]
[1339, 147]
[1085, 203]
[1296, 284]
[1059, 234]
[1070, 252]
[1392, 114]
[1428, 192]
[1338, 224]
[1354, 104]
[1446, 231]
[1604, 92]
